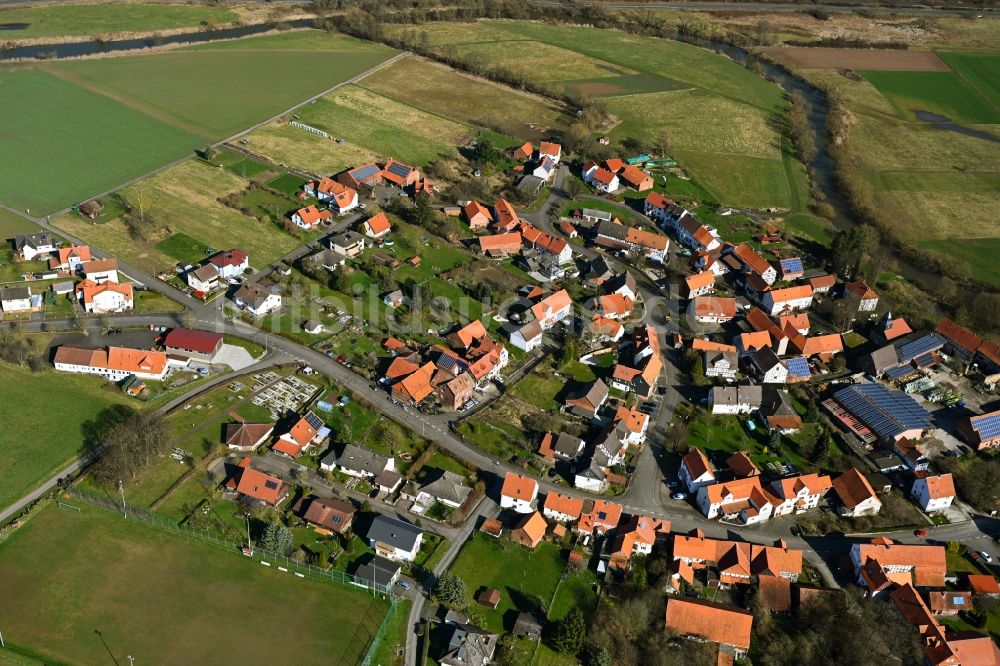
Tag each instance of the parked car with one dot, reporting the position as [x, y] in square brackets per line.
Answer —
[986, 556]
[403, 585]
[679, 496]
[342, 360]
[920, 532]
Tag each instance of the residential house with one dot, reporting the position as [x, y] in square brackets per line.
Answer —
[754, 263]
[537, 239]
[562, 508]
[741, 466]
[821, 284]
[377, 226]
[589, 400]
[865, 295]
[305, 432]
[328, 515]
[357, 461]
[199, 345]
[636, 536]
[500, 246]
[29, 246]
[636, 178]
[789, 299]
[599, 516]
[376, 572]
[310, 217]
[326, 259]
[552, 309]
[15, 299]
[712, 310]
[477, 215]
[399, 174]
[933, 493]
[611, 306]
[695, 470]
[530, 530]
[247, 437]
[777, 413]
[505, 218]
[724, 364]
[798, 322]
[551, 150]
[741, 399]
[745, 499]
[560, 447]
[455, 392]
[699, 284]
[338, 197]
[394, 299]
[257, 486]
[617, 236]
[100, 271]
[69, 259]
[749, 343]
[527, 337]
[947, 602]
[448, 489]
[796, 494]
[415, 387]
[469, 646]
[727, 626]
[982, 431]
[395, 539]
[112, 363]
[769, 367]
[523, 152]
[257, 300]
[545, 170]
[984, 584]
[527, 626]
[518, 493]
[231, 263]
[882, 562]
[857, 497]
[348, 243]
[366, 175]
[204, 279]
[600, 178]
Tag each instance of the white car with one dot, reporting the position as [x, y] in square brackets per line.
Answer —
[986, 556]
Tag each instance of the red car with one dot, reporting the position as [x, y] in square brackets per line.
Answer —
[920, 533]
[341, 360]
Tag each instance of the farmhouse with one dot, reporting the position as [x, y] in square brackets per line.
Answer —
[723, 364]
[600, 178]
[755, 264]
[882, 562]
[367, 175]
[399, 174]
[779, 301]
[866, 297]
[112, 363]
[636, 178]
[695, 470]
[741, 399]
[500, 246]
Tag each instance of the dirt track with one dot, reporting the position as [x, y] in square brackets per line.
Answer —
[886, 60]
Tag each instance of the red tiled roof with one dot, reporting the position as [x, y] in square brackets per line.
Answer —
[203, 342]
[721, 624]
[959, 335]
[853, 488]
[518, 487]
[940, 486]
[571, 506]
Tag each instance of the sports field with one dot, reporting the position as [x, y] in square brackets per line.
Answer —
[160, 598]
[371, 125]
[46, 430]
[184, 199]
[101, 19]
[74, 129]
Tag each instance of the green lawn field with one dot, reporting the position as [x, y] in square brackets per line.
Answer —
[979, 70]
[73, 129]
[62, 143]
[943, 93]
[517, 572]
[101, 19]
[160, 598]
[11, 225]
[45, 432]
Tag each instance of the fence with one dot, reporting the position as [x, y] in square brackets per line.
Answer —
[267, 558]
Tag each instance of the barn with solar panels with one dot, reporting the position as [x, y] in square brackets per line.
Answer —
[890, 414]
[367, 175]
[399, 174]
[791, 268]
[982, 431]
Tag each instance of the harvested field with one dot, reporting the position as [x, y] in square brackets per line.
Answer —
[879, 60]
[290, 145]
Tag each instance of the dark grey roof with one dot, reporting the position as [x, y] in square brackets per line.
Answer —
[449, 486]
[469, 646]
[394, 532]
[15, 293]
[567, 445]
[346, 239]
[612, 230]
[362, 459]
[32, 240]
[883, 358]
[619, 281]
[765, 359]
[378, 570]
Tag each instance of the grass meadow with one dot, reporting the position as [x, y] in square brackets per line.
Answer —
[45, 432]
[70, 20]
[160, 598]
[943, 93]
[11, 225]
[980, 70]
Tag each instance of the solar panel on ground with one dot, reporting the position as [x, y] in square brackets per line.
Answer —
[791, 265]
[365, 172]
[400, 170]
[798, 366]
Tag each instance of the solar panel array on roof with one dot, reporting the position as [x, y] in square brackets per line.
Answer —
[314, 420]
[988, 425]
[365, 172]
[899, 371]
[925, 344]
[270, 485]
[798, 366]
[924, 360]
[791, 265]
[400, 170]
[886, 412]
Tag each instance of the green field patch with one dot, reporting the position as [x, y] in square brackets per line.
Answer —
[184, 249]
[12, 225]
[288, 183]
[442, 91]
[47, 429]
[980, 254]
[123, 577]
[216, 92]
[629, 84]
[62, 144]
[248, 168]
[542, 61]
[979, 70]
[739, 180]
[937, 181]
[943, 93]
[101, 19]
